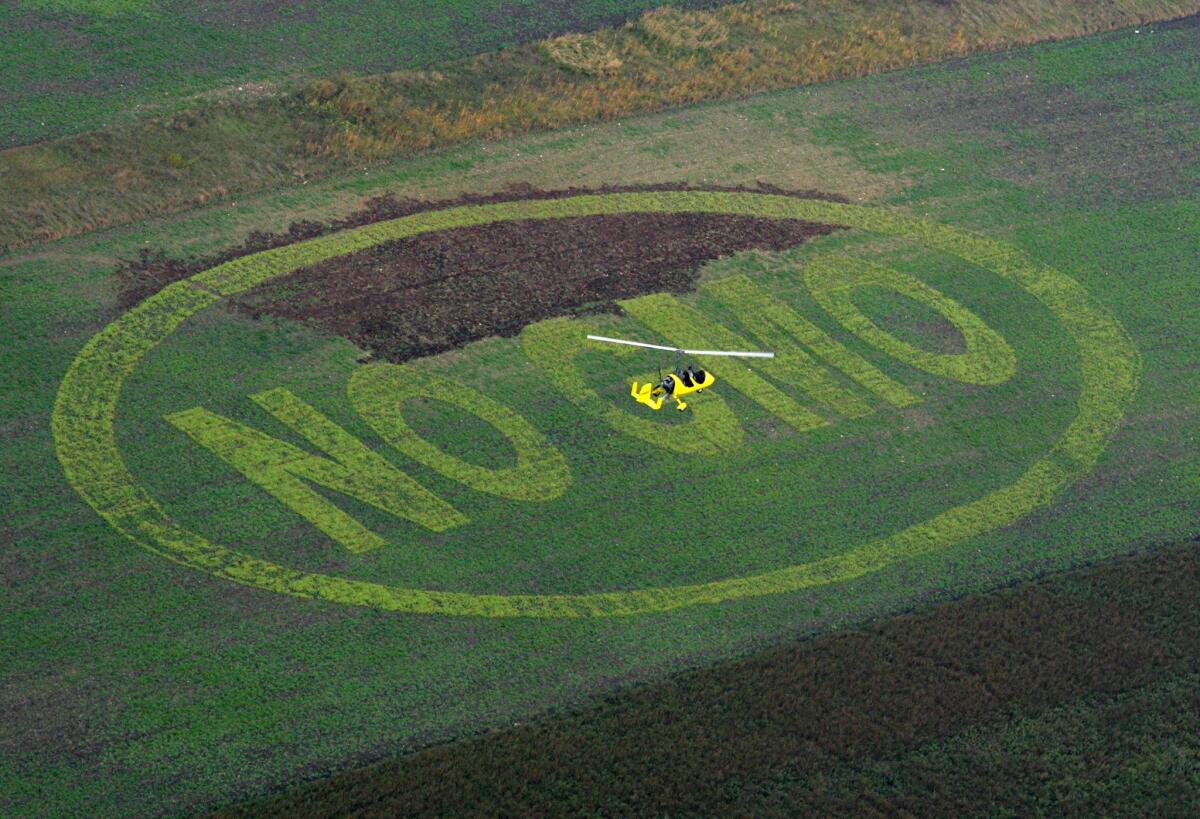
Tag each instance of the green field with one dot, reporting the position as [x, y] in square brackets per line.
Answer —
[88, 63]
[1050, 192]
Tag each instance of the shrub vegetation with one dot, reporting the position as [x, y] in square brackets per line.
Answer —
[585, 53]
[683, 30]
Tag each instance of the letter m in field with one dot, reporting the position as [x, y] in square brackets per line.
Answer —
[286, 471]
[802, 351]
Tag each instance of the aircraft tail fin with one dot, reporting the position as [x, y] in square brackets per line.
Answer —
[644, 395]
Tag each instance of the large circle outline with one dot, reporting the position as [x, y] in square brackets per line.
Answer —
[82, 421]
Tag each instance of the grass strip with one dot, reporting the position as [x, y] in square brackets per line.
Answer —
[814, 708]
[667, 58]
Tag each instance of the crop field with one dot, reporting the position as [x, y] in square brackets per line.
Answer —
[1079, 690]
[323, 475]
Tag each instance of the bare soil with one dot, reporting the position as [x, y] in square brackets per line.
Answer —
[435, 292]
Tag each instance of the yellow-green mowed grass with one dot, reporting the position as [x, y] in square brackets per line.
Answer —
[88, 399]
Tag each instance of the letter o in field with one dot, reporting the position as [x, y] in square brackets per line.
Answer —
[833, 279]
[378, 392]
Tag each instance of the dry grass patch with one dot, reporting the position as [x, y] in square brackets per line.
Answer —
[584, 53]
[684, 30]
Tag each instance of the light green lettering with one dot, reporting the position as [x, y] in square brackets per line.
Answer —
[833, 279]
[554, 344]
[378, 392]
[282, 469]
[687, 327]
[779, 327]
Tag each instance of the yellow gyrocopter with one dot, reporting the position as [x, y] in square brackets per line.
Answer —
[682, 380]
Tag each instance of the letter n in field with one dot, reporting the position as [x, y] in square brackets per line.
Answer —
[285, 470]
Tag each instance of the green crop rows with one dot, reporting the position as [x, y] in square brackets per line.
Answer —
[136, 685]
[1079, 690]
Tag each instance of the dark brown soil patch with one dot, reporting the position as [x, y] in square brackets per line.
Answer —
[688, 746]
[438, 291]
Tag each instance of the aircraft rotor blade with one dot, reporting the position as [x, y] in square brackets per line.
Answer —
[735, 353]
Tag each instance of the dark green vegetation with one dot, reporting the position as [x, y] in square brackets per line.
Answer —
[1079, 692]
[238, 143]
[1135, 752]
[131, 685]
[76, 65]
